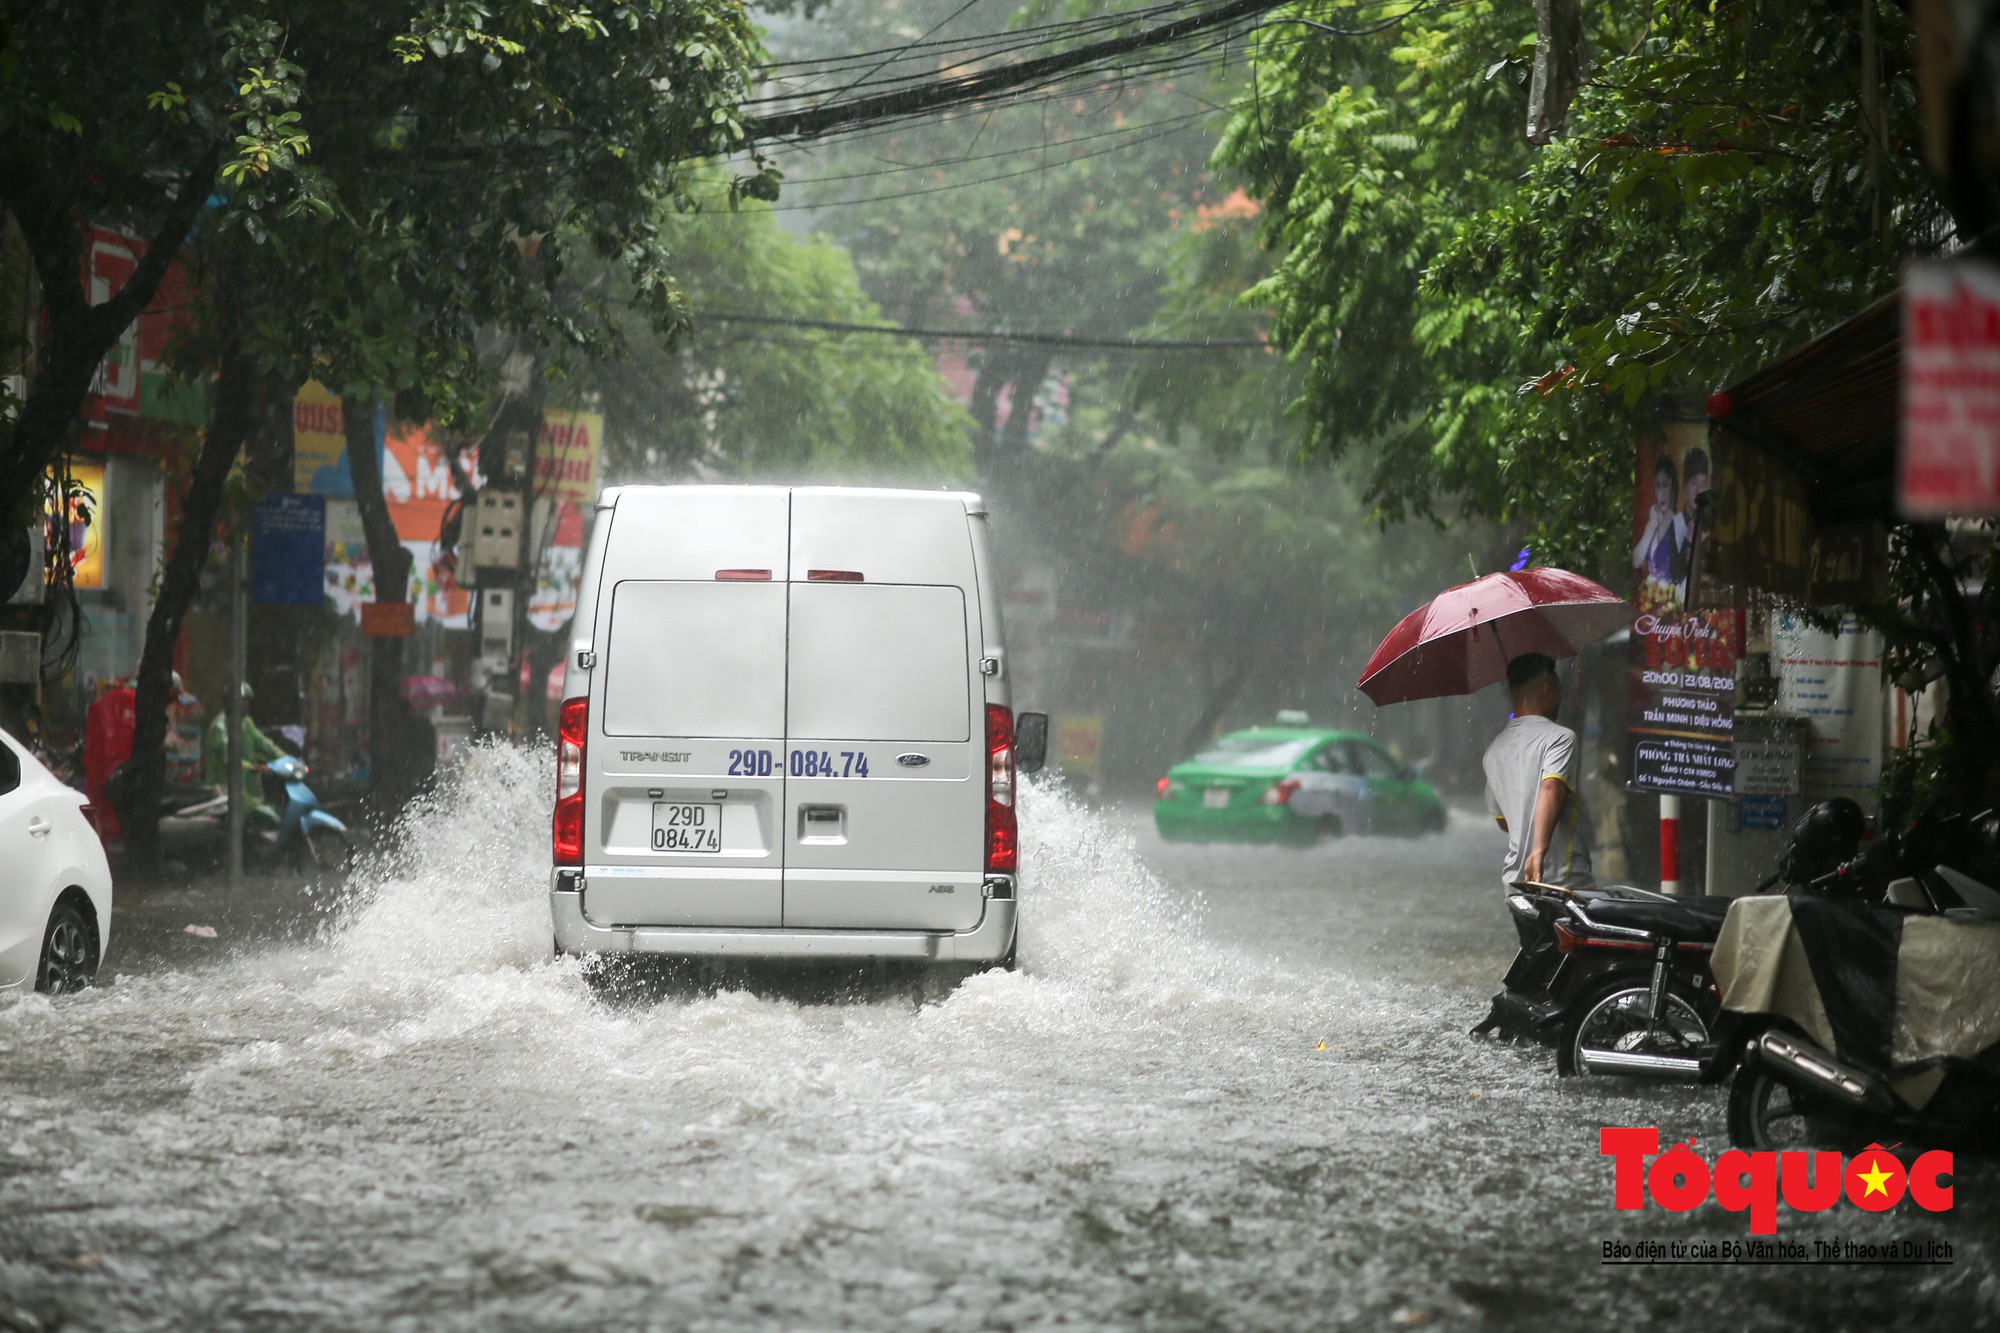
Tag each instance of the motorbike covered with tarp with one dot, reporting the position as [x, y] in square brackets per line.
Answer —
[1868, 1008]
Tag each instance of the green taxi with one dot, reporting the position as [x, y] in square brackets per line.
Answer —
[1293, 784]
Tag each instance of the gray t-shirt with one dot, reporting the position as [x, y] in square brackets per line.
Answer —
[1528, 749]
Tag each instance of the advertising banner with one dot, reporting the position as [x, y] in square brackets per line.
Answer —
[417, 481]
[1682, 672]
[1951, 390]
[319, 443]
[553, 602]
[86, 533]
[288, 550]
[566, 456]
[1834, 679]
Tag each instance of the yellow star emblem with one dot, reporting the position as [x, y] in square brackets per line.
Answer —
[1876, 1178]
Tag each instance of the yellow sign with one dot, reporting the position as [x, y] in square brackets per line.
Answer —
[1079, 743]
[319, 442]
[566, 456]
[86, 535]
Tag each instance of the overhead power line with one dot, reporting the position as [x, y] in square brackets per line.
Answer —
[993, 335]
[959, 90]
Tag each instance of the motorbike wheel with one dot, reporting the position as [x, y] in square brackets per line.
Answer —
[327, 849]
[1765, 1114]
[1614, 1018]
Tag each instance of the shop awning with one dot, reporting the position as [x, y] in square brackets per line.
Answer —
[1829, 410]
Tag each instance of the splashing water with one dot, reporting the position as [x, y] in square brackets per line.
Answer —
[421, 1119]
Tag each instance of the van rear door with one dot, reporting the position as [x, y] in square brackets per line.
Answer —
[885, 784]
[688, 721]
[888, 806]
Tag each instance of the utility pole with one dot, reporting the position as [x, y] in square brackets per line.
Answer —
[239, 653]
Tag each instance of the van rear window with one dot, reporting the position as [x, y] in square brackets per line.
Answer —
[696, 659]
[878, 662]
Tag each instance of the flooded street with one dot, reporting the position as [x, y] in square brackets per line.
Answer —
[394, 1111]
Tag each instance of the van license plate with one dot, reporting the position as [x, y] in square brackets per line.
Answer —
[1215, 798]
[679, 827]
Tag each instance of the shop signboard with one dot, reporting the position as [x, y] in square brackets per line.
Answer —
[288, 550]
[566, 455]
[1951, 390]
[1833, 678]
[1682, 671]
[388, 620]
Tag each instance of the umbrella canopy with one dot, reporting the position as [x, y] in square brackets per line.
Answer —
[1462, 639]
[422, 692]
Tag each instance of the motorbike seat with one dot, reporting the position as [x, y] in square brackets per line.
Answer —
[1681, 919]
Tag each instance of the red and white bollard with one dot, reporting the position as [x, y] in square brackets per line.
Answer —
[1670, 844]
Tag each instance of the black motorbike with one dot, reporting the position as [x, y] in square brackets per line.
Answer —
[1787, 1090]
[1616, 979]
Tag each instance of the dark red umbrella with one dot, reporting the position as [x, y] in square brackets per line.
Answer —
[1462, 639]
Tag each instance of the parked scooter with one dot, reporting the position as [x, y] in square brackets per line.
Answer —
[1615, 979]
[1917, 1070]
[306, 835]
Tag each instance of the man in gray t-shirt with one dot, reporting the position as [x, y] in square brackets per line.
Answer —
[1533, 782]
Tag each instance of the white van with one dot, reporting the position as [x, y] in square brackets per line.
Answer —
[786, 732]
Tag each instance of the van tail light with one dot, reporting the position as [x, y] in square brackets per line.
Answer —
[834, 576]
[1279, 793]
[1002, 829]
[571, 730]
[743, 575]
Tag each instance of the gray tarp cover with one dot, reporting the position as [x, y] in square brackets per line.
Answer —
[1947, 986]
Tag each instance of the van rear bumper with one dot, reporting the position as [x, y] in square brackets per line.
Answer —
[987, 942]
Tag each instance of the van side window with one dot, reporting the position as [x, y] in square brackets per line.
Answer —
[696, 659]
[878, 662]
[10, 768]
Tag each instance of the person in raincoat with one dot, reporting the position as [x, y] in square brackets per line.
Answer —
[258, 750]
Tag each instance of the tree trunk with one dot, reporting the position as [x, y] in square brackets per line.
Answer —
[1222, 692]
[274, 670]
[995, 447]
[985, 409]
[230, 409]
[394, 765]
[76, 335]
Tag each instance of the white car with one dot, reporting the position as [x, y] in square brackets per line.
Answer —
[55, 885]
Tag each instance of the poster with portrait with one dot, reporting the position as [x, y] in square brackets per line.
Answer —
[1682, 681]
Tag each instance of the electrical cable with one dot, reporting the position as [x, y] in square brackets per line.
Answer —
[812, 121]
[992, 335]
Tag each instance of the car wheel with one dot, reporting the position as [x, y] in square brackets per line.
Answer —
[1330, 828]
[69, 952]
[1435, 821]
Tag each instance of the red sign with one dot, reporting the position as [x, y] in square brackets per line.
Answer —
[1951, 390]
[388, 620]
[417, 481]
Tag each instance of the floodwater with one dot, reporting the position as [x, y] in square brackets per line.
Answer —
[1231, 1088]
